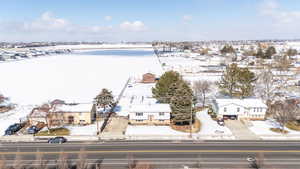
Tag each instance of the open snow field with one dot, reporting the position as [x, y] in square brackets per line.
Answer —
[72, 77]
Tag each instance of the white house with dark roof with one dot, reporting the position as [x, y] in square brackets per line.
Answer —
[249, 108]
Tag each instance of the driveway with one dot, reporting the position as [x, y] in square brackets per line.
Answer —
[240, 131]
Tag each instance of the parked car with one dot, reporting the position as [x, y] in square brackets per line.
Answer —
[12, 129]
[35, 128]
[221, 122]
[59, 140]
[233, 118]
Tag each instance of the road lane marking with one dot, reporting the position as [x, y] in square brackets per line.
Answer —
[155, 151]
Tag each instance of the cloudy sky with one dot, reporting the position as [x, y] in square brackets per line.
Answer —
[147, 20]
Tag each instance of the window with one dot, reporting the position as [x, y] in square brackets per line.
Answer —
[254, 109]
[238, 109]
[162, 120]
[138, 114]
[161, 113]
[225, 110]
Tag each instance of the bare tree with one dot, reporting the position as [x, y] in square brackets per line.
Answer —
[284, 112]
[260, 157]
[40, 162]
[82, 160]
[266, 83]
[63, 162]
[201, 88]
[3, 162]
[18, 164]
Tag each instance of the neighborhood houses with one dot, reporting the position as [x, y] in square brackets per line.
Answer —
[203, 90]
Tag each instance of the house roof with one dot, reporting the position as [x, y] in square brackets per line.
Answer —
[151, 108]
[84, 107]
[251, 102]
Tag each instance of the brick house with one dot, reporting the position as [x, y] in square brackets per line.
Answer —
[148, 78]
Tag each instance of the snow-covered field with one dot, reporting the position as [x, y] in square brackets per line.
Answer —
[70, 77]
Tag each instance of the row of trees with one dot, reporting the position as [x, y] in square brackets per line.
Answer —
[172, 89]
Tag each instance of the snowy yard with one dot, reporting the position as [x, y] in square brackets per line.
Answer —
[88, 130]
[262, 129]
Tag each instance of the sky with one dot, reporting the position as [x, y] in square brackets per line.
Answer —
[148, 20]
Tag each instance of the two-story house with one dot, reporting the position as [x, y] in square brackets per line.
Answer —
[249, 108]
[150, 114]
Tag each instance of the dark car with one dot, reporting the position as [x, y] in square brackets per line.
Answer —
[32, 130]
[12, 129]
[59, 140]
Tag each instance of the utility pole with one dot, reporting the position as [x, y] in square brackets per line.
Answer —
[191, 120]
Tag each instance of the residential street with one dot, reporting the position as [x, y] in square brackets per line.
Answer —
[278, 154]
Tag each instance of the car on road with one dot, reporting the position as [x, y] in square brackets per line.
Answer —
[59, 140]
[251, 158]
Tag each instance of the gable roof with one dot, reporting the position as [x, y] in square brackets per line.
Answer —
[151, 108]
[251, 102]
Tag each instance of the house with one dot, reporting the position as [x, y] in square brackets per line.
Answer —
[38, 115]
[148, 78]
[150, 114]
[249, 108]
[73, 114]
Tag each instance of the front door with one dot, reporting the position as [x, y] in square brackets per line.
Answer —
[71, 119]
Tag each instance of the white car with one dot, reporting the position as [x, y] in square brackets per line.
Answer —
[251, 159]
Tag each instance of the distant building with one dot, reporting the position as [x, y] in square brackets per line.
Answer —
[252, 108]
[150, 114]
[148, 78]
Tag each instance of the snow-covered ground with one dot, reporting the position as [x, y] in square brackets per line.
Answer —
[70, 77]
[88, 130]
[13, 116]
[209, 126]
[262, 129]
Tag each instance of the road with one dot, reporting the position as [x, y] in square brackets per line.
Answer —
[164, 155]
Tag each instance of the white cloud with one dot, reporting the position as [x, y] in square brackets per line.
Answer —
[272, 9]
[47, 22]
[135, 26]
[108, 18]
[187, 18]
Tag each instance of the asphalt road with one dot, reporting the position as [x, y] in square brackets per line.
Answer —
[208, 155]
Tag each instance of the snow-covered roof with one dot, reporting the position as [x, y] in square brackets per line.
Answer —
[84, 107]
[151, 108]
[249, 102]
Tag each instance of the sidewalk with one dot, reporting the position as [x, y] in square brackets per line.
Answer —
[240, 131]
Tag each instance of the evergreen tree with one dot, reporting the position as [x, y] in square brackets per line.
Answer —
[104, 99]
[291, 52]
[181, 104]
[260, 53]
[228, 83]
[227, 49]
[246, 81]
[162, 91]
[270, 52]
[237, 81]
